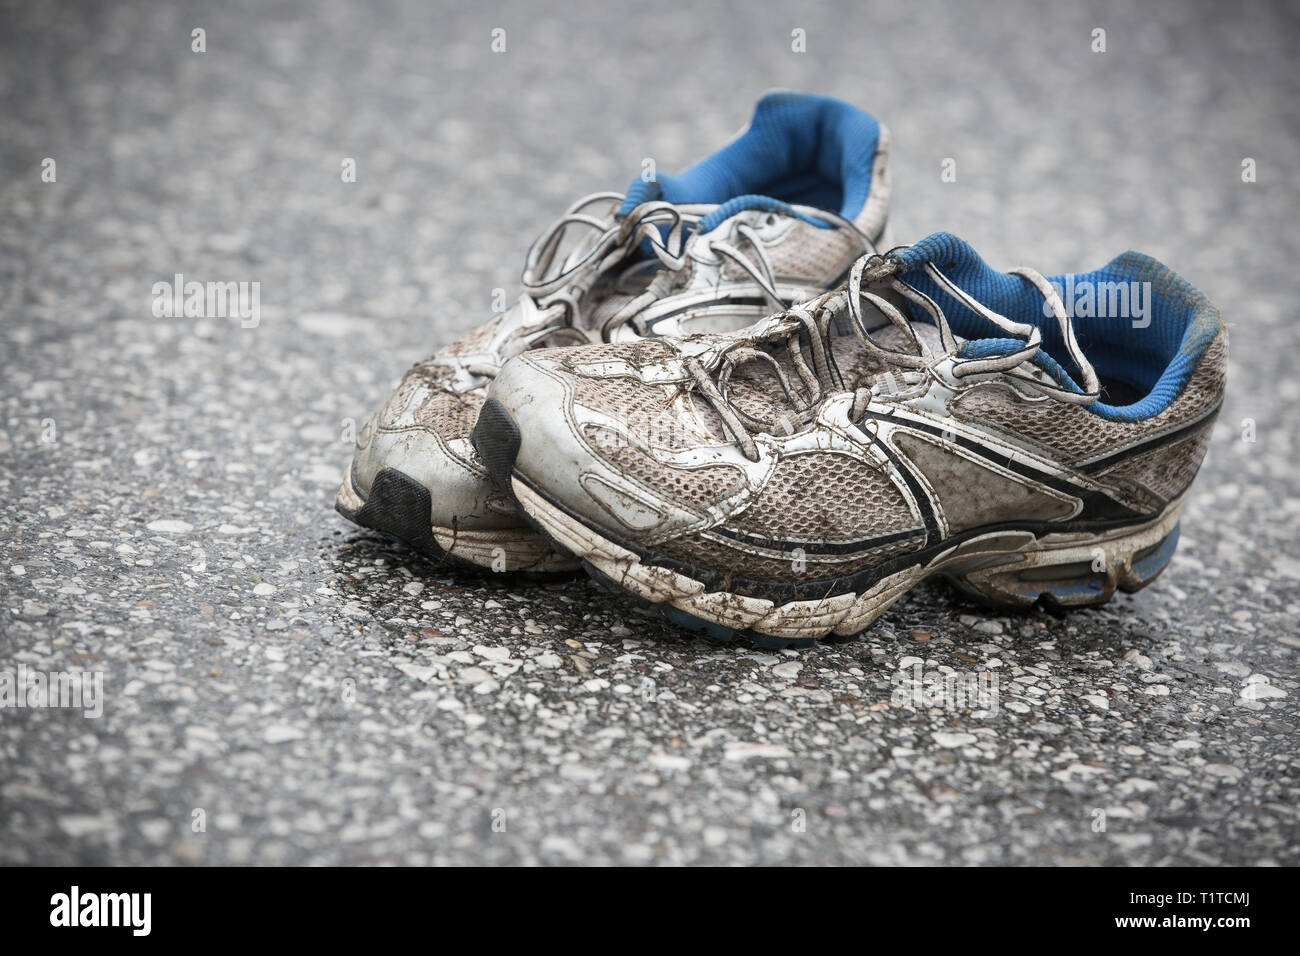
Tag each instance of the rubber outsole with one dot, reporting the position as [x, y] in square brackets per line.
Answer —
[1080, 576]
[1004, 569]
[399, 506]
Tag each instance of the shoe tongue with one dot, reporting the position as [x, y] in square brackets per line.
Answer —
[991, 347]
[756, 387]
[1005, 293]
[862, 367]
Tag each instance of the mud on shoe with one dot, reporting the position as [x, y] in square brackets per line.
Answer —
[935, 416]
[775, 217]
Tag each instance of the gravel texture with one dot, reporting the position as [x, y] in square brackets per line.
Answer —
[280, 687]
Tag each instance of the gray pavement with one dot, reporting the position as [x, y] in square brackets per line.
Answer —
[279, 687]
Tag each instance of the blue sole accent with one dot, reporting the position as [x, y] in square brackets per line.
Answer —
[1155, 562]
[1071, 583]
[724, 634]
[690, 622]
[1096, 584]
[1064, 592]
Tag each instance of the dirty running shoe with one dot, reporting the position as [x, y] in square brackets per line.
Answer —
[775, 217]
[795, 478]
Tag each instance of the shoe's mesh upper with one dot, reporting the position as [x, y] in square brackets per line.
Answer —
[831, 498]
[802, 150]
[812, 255]
[1076, 434]
[1167, 471]
[825, 496]
[695, 487]
[805, 251]
[397, 402]
[451, 414]
[756, 391]
[645, 411]
[637, 354]
[862, 368]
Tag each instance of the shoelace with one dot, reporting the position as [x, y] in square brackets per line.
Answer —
[820, 373]
[553, 296]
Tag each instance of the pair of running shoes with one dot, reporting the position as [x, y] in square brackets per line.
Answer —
[727, 394]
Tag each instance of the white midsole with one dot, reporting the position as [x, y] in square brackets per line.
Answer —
[845, 613]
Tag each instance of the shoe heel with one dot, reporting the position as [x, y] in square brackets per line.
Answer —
[1073, 574]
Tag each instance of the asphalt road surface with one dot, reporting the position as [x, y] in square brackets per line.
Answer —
[280, 687]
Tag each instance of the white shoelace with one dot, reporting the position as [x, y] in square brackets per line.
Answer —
[553, 300]
[822, 375]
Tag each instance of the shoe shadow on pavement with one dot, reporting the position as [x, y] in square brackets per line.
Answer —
[380, 581]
